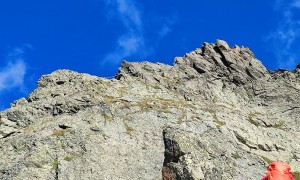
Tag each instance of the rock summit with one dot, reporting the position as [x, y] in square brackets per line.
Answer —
[217, 113]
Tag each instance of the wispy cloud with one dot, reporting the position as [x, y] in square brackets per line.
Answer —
[132, 41]
[13, 74]
[287, 33]
[296, 3]
[165, 30]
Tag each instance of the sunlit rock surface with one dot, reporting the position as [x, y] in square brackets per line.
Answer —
[217, 113]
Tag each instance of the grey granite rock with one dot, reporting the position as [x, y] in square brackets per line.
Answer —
[217, 113]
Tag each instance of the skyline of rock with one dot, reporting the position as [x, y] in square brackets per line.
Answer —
[217, 113]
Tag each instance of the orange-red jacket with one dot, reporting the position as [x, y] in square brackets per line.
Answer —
[278, 171]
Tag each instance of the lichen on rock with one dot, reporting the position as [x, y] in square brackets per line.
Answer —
[217, 113]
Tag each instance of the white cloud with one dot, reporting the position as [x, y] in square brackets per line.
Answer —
[129, 13]
[164, 30]
[286, 35]
[132, 41]
[13, 74]
[296, 4]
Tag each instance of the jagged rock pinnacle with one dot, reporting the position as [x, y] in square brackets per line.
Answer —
[217, 113]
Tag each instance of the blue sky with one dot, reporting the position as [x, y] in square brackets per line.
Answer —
[93, 36]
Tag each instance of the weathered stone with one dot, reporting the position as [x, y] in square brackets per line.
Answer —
[222, 44]
[217, 113]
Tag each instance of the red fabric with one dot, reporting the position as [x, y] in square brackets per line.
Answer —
[278, 171]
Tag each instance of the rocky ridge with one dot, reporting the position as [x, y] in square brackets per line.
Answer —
[217, 113]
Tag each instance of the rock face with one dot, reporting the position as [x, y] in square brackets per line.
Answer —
[217, 113]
